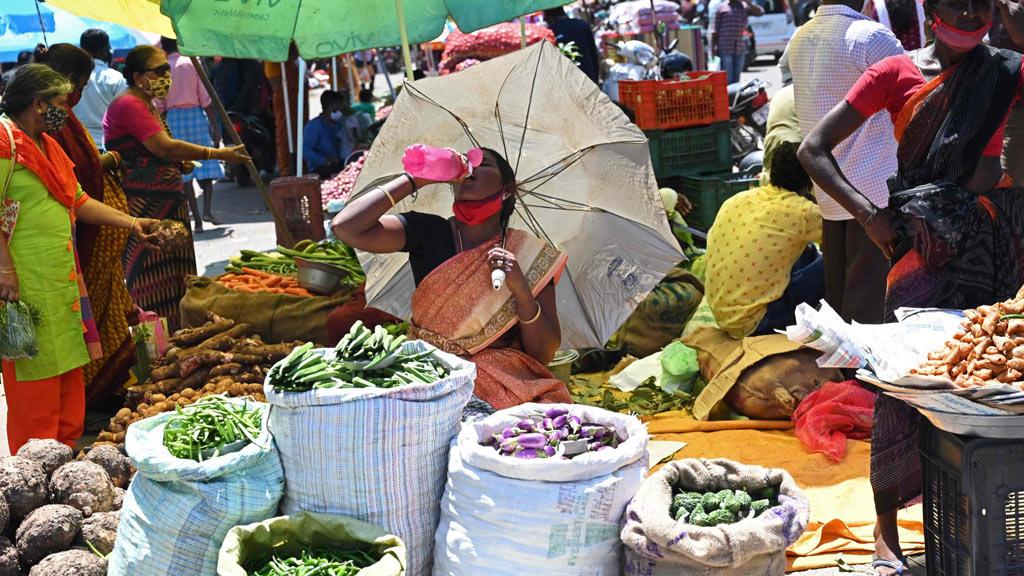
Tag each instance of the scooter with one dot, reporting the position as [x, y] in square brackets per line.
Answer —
[257, 135]
[748, 115]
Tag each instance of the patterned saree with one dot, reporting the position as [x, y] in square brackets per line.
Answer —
[456, 309]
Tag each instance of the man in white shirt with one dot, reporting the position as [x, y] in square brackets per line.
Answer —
[826, 57]
[104, 84]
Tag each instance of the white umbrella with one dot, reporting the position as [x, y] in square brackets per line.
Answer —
[587, 183]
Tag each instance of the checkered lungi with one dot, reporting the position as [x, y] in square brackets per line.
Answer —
[191, 125]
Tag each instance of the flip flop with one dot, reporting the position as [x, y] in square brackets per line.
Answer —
[896, 565]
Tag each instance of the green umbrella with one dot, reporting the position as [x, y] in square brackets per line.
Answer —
[264, 29]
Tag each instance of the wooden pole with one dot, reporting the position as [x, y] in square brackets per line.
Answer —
[405, 40]
[287, 108]
[522, 31]
[236, 139]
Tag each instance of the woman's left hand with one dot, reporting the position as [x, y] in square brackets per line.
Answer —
[498, 257]
[139, 230]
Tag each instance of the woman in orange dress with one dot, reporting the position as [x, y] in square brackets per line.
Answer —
[510, 334]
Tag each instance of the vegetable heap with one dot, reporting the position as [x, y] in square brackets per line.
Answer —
[988, 348]
[282, 262]
[340, 187]
[203, 429]
[553, 434]
[363, 359]
[18, 321]
[721, 507]
[321, 562]
[170, 235]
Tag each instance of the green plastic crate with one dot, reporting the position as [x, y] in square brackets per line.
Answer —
[703, 150]
[708, 193]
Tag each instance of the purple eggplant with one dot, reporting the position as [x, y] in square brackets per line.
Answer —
[556, 412]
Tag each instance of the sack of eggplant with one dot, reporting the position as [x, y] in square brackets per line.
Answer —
[363, 397]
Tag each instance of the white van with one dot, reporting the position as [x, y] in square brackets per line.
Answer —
[772, 30]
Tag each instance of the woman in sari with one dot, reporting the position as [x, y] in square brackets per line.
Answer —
[510, 334]
[153, 162]
[99, 248]
[953, 228]
[39, 263]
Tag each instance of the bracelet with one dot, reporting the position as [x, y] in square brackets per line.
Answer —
[132, 225]
[412, 182]
[11, 271]
[388, 194]
[209, 153]
[874, 212]
[532, 320]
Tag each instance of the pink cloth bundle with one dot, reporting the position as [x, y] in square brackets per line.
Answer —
[440, 164]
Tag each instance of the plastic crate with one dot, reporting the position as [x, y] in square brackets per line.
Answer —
[708, 193]
[669, 104]
[704, 150]
[973, 504]
[299, 201]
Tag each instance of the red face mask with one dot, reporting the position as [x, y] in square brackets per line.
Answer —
[73, 98]
[474, 212]
[957, 39]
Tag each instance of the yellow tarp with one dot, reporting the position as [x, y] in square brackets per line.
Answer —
[141, 15]
[842, 509]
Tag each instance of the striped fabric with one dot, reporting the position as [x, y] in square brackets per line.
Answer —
[827, 56]
[374, 454]
[191, 125]
[177, 512]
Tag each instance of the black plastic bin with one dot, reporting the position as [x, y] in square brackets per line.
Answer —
[973, 504]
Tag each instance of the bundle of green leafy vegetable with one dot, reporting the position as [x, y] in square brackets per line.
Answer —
[200, 431]
[722, 507]
[363, 359]
[319, 562]
[18, 322]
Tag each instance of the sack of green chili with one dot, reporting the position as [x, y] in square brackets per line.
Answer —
[514, 503]
[177, 511]
[304, 536]
[375, 454]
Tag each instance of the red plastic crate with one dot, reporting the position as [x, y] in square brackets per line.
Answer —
[667, 104]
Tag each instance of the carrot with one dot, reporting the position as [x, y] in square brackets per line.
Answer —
[257, 273]
[274, 281]
[297, 292]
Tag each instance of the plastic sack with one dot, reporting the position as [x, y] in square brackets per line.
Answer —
[833, 413]
[18, 331]
[658, 545]
[177, 512]
[245, 547]
[439, 164]
[505, 516]
[375, 454]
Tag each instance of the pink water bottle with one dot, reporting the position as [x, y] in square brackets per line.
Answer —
[440, 164]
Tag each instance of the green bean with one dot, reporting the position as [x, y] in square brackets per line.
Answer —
[210, 424]
[315, 563]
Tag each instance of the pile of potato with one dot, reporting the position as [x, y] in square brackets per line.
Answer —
[59, 516]
[988, 348]
[220, 357]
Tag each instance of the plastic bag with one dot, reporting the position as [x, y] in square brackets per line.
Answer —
[833, 413]
[18, 322]
[679, 368]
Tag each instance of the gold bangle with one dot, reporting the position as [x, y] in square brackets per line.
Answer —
[388, 194]
[532, 320]
[11, 271]
[209, 153]
[132, 225]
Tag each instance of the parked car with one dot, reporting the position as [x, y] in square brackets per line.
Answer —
[803, 10]
[772, 30]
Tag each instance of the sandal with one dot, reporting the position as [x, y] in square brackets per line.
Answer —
[896, 565]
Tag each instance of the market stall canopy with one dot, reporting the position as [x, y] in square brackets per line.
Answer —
[324, 28]
[22, 28]
[142, 15]
[584, 170]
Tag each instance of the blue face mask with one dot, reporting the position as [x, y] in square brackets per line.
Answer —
[336, 115]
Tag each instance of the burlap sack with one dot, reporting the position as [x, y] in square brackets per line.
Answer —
[761, 377]
[275, 317]
[657, 545]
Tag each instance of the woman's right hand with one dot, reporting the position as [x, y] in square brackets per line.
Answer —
[879, 229]
[235, 154]
[9, 285]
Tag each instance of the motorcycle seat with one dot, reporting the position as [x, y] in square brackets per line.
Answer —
[734, 89]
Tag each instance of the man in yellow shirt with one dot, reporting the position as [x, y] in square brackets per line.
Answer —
[761, 261]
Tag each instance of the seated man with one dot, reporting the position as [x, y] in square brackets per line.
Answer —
[365, 104]
[327, 140]
[760, 260]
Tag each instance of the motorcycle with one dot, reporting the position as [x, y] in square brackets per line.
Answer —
[257, 135]
[748, 116]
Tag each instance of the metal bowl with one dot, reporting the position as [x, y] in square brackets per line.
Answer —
[318, 277]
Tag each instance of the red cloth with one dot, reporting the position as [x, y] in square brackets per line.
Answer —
[75, 141]
[127, 114]
[890, 83]
[833, 413]
[50, 408]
